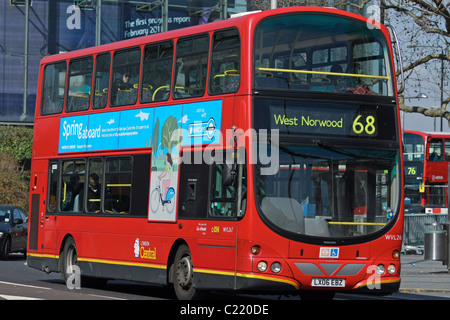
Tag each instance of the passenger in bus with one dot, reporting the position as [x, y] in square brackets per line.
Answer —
[78, 85]
[70, 192]
[93, 193]
[435, 156]
[331, 83]
[358, 86]
[124, 83]
[339, 82]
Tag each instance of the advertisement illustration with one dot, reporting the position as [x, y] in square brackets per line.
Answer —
[164, 176]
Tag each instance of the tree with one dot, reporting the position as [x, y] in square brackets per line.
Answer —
[13, 189]
[18, 142]
[426, 32]
[15, 152]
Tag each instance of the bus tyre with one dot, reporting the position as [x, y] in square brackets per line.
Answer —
[183, 274]
[69, 259]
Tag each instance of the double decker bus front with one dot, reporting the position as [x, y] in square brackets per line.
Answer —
[425, 161]
[325, 111]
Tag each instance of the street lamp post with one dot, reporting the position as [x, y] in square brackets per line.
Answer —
[419, 96]
[23, 117]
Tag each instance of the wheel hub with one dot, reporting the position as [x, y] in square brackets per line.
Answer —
[184, 271]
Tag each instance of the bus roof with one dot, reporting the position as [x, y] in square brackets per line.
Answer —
[239, 21]
[429, 133]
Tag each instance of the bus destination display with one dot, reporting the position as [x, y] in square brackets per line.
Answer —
[345, 120]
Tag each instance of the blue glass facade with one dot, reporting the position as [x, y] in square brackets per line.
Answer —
[58, 26]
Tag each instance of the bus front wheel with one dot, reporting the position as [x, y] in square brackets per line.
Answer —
[183, 276]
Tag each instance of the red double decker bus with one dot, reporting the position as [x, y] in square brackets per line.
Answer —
[426, 158]
[261, 153]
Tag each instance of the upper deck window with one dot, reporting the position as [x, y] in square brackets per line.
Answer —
[102, 68]
[191, 67]
[80, 81]
[435, 150]
[53, 88]
[125, 77]
[322, 53]
[157, 74]
[225, 62]
[414, 147]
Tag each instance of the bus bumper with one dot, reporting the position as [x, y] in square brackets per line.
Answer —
[43, 262]
[251, 282]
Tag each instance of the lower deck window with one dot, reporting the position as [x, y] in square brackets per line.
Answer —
[100, 185]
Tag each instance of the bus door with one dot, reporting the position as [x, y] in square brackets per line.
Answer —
[214, 195]
[36, 212]
[42, 233]
[47, 216]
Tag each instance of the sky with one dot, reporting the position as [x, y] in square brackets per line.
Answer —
[425, 79]
[419, 122]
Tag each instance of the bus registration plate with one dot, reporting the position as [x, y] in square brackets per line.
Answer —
[325, 282]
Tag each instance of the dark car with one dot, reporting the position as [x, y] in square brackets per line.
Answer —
[13, 230]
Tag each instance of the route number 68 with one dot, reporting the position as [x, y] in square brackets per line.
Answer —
[364, 125]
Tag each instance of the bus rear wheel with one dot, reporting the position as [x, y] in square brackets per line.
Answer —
[183, 276]
[69, 260]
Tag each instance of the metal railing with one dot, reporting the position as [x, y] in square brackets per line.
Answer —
[417, 224]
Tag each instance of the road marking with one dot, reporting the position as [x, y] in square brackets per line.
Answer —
[106, 297]
[9, 297]
[23, 285]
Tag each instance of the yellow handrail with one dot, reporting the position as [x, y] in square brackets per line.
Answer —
[359, 223]
[355, 75]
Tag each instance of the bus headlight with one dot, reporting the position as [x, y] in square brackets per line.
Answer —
[275, 267]
[380, 269]
[262, 266]
[391, 269]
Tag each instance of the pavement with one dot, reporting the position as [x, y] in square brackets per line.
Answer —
[423, 276]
